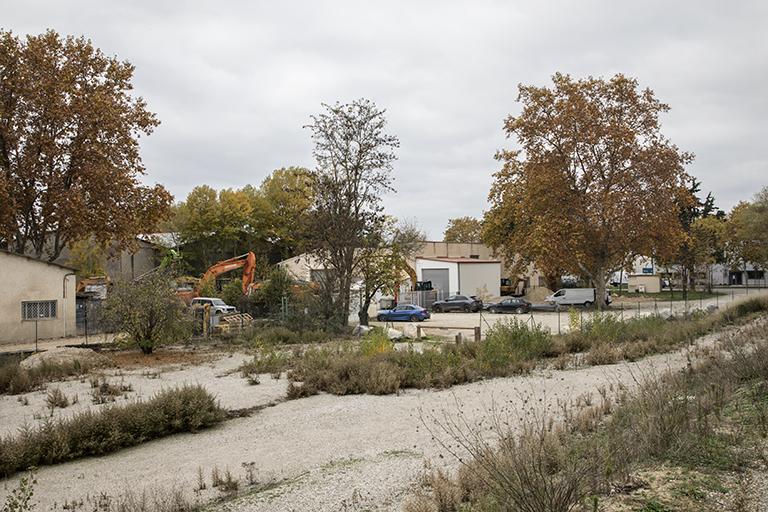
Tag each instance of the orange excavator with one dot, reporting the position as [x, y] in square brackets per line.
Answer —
[245, 261]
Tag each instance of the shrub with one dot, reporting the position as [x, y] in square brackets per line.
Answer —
[510, 342]
[14, 379]
[55, 398]
[270, 361]
[376, 342]
[148, 311]
[184, 409]
[19, 499]
[603, 353]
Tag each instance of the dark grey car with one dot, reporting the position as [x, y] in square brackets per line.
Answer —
[514, 305]
[458, 303]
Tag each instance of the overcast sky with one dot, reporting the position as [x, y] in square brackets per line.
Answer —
[233, 82]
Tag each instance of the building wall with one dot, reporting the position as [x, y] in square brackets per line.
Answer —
[652, 283]
[453, 272]
[125, 265]
[301, 267]
[24, 279]
[454, 250]
[480, 279]
[128, 265]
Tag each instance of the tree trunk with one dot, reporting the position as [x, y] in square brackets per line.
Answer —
[599, 281]
[362, 315]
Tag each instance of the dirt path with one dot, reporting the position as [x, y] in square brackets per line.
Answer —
[326, 452]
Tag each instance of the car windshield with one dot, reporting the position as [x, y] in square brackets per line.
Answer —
[218, 302]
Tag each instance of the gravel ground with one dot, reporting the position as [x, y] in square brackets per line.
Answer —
[320, 453]
[218, 377]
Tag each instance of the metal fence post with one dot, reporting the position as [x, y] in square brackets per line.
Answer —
[558, 320]
[638, 309]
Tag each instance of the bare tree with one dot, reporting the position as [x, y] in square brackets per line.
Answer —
[354, 169]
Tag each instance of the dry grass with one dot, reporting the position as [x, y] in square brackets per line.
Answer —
[15, 380]
[709, 419]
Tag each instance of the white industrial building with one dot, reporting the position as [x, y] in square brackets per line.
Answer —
[468, 276]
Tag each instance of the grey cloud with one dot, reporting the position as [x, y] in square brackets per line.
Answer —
[234, 82]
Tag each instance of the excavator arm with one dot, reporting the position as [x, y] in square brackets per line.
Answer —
[245, 261]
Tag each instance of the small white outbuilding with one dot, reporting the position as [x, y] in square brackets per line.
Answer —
[37, 299]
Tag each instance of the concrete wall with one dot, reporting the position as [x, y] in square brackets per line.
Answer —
[129, 265]
[480, 279]
[24, 279]
[454, 250]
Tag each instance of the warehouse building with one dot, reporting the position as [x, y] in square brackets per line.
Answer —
[468, 276]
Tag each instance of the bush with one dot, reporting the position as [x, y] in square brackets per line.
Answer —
[279, 335]
[14, 379]
[376, 342]
[148, 311]
[510, 342]
[184, 409]
[270, 361]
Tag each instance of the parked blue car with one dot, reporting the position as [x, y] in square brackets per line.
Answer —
[403, 313]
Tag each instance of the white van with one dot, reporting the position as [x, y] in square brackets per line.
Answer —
[576, 296]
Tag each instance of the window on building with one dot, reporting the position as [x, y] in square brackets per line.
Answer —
[38, 309]
[474, 256]
[755, 274]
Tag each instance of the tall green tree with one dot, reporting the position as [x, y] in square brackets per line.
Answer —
[746, 233]
[280, 210]
[463, 230]
[70, 168]
[593, 181]
[695, 250]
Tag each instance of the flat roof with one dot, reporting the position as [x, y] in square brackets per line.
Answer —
[457, 260]
[37, 260]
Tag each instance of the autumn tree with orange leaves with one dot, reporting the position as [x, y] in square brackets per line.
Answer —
[593, 183]
[69, 153]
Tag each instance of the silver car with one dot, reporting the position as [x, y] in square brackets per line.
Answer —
[218, 306]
